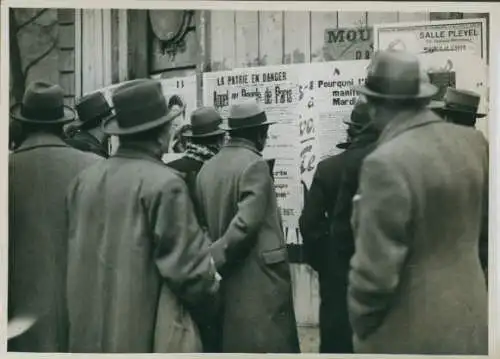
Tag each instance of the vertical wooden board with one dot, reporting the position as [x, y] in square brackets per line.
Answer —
[297, 30]
[78, 52]
[87, 50]
[351, 19]
[122, 45]
[270, 38]
[320, 22]
[247, 39]
[107, 48]
[98, 50]
[376, 17]
[413, 16]
[222, 40]
[305, 294]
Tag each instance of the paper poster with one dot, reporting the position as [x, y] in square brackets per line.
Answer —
[452, 52]
[276, 88]
[184, 87]
[343, 44]
[333, 89]
[448, 36]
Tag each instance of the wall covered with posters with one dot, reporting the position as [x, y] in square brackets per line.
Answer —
[285, 57]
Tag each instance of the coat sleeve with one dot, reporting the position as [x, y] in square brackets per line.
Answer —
[381, 213]
[255, 184]
[181, 247]
[313, 221]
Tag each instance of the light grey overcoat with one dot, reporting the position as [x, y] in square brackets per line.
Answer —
[416, 284]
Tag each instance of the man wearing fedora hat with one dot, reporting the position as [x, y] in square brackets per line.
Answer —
[40, 169]
[326, 231]
[459, 107]
[236, 195]
[92, 110]
[137, 254]
[204, 140]
[416, 285]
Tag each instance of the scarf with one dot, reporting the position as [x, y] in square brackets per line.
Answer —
[200, 153]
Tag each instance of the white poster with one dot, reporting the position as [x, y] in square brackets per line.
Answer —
[452, 52]
[333, 89]
[448, 36]
[276, 88]
[310, 103]
[184, 87]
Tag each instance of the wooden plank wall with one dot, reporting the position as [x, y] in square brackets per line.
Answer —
[97, 50]
[251, 38]
[66, 48]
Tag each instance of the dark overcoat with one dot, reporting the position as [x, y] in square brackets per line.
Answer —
[84, 141]
[137, 258]
[315, 228]
[40, 170]
[205, 315]
[236, 193]
[416, 284]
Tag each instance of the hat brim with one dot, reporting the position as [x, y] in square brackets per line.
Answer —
[440, 106]
[69, 116]
[189, 134]
[111, 126]
[231, 129]
[426, 91]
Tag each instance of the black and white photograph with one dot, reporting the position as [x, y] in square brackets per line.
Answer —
[193, 178]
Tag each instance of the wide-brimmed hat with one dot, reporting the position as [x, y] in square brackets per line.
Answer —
[246, 114]
[139, 106]
[92, 109]
[360, 120]
[396, 75]
[458, 101]
[205, 122]
[43, 103]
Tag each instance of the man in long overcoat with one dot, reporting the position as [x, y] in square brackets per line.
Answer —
[326, 252]
[40, 170]
[416, 285]
[236, 194]
[137, 256]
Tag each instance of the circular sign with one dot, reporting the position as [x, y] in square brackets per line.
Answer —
[166, 23]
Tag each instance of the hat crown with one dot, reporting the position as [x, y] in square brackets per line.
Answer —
[245, 109]
[394, 72]
[139, 101]
[43, 95]
[205, 120]
[92, 106]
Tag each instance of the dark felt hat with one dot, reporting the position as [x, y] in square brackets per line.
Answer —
[205, 122]
[396, 75]
[139, 106]
[43, 103]
[458, 101]
[247, 113]
[92, 109]
[360, 120]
